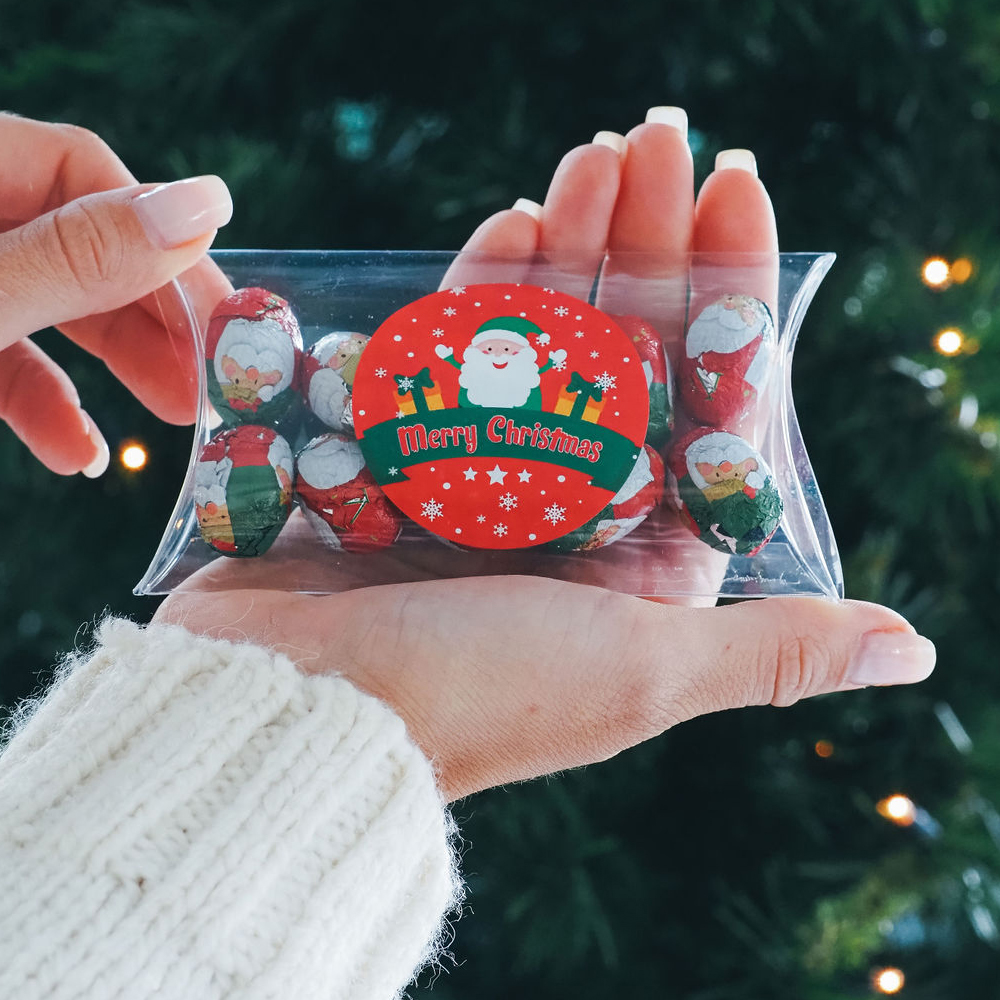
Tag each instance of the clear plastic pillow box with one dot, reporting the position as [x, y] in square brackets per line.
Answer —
[370, 418]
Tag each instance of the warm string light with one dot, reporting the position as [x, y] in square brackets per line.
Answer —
[897, 809]
[133, 456]
[888, 980]
[936, 272]
[949, 341]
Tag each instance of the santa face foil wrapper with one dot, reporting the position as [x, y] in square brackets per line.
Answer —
[725, 490]
[340, 497]
[727, 356]
[252, 351]
[328, 369]
[243, 490]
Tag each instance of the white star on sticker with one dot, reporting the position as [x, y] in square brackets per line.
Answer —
[524, 475]
[393, 471]
[496, 475]
[470, 473]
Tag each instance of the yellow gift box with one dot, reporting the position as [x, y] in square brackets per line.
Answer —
[567, 400]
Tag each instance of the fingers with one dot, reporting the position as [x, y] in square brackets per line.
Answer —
[148, 344]
[91, 258]
[500, 250]
[650, 234]
[103, 251]
[576, 216]
[66, 162]
[60, 433]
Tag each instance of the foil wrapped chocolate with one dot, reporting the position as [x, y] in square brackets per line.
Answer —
[340, 498]
[243, 489]
[252, 352]
[727, 358]
[725, 491]
[328, 369]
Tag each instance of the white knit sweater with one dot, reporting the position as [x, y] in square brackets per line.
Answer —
[187, 818]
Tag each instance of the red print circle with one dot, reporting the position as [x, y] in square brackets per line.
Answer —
[500, 416]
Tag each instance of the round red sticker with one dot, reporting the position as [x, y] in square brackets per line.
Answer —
[500, 416]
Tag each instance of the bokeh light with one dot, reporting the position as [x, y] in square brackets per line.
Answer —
[888, 980]
[949, 341]
[133, 456]
[961, 270]
[823, 748]
[897, 809]
[936, 273]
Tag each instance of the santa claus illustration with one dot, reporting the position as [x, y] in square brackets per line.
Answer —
[727, 353]
[500, 367]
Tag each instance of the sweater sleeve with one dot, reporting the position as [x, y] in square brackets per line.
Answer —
[183, 817]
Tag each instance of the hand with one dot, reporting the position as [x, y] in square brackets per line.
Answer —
[86, 248]
[503, 678]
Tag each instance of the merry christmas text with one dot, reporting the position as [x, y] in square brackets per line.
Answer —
[499, 429]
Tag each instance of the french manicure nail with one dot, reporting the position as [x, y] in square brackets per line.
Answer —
[527, 205]
[736, 159]
[176, 213]
[617, 142]
[892, 658]
[99, 463]
[665, 115]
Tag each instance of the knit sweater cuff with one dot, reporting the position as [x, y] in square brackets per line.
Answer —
[186, 817]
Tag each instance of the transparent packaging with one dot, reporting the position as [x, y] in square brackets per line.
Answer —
[653, 449]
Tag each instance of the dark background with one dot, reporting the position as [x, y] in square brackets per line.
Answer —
[726, 859]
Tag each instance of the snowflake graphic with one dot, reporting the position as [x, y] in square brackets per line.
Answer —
[595, 354]
[450, 311]
[431, 509]
[578, 334]
[481, 519]
[393, 471]
[458, 290]
[606, 381]
[400, 414]
[499, 530]
[561, 311]
[554, 513]
[508, 501]
[559, 366]
[438, 331]
[381, 372]
[405, 384]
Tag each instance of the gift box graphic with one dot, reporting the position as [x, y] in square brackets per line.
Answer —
[581, 399]
[417, 393]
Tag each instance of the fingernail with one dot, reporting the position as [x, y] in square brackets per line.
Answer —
[174, 214]
[99, 463]
[617, 142]
[674, 117]
[527, 205]
[736, 159]
[892, 658]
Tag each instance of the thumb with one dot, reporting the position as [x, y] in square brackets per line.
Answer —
[104, 250]
[782, 650]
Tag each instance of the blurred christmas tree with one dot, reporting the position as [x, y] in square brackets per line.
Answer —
[740, 856]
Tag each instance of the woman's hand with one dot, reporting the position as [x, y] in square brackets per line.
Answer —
[86, 248]
[503, 678]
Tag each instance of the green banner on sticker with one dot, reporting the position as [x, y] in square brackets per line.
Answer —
[603, 454]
